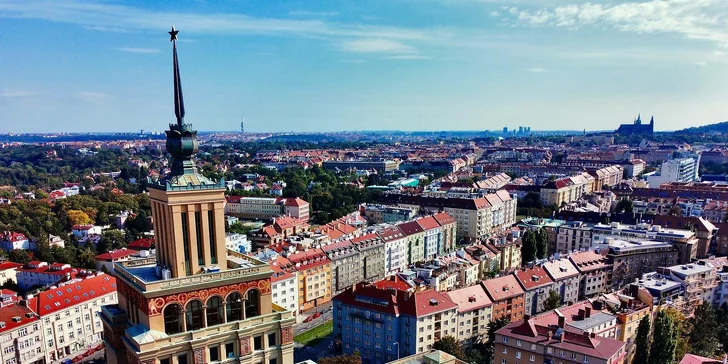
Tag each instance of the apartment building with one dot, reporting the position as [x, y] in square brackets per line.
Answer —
[507, 296]
[448, 231]
[631, 259]
[607, 176]
[574, 236]
[21, 336]
[371, 251]
[42, 274]
[266, 207]
[432, 237]
[284, 285]
[566, 279]
[9, 272]
[395, 249]
[474, 216]
[526, 341]
[346, 268]
[474, 313]
[313, 268]
[698, 281]
[704, 230]
[414, 238]
[383, 324]
[589, 316]
[685, 241]
[594, 270]
[537, 284]
[676, 170]
[69, 313]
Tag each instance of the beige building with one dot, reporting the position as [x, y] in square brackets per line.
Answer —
[194, 303]
[474, 312]
[266, 207]
[21, 337]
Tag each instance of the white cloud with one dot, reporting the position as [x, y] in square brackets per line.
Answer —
[353, 61]
[536, 70]
[15, 93]
[101, 28]
[692, 19]
[701, 64]
[138, 50]
[408, 56]
[718, 53]
[313, 13]
[376, 45]
[92, 96]
[494, 13]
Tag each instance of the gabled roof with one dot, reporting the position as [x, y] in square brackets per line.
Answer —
[560, 269]
[115, 255]
[502, 288]
[443, 218]
[469, 298]
[428, 223]
[531, 278]
[410, 228]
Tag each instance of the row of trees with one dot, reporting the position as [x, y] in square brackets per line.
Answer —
[672, 335]
[535, 245]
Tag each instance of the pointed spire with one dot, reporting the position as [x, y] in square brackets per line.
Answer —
[652, 120]
[179, 102]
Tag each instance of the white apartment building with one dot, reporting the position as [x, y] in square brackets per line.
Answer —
[395, 249]
[41, 274]
[284, 288]
[70, 314]
[237, 242]
[675, 170]
[21, 339]
[575, 236]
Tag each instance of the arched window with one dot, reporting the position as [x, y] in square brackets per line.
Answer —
[252, 303]
[214, 311]
[173, 319]
[234, 307]
[194, 315]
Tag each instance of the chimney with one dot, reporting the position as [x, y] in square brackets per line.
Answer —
[581, 314]
[526, 317]
[587, 311]
[549, 334]
[562, 320]
[592, 335]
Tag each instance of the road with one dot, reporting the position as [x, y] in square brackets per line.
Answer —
[305, 326]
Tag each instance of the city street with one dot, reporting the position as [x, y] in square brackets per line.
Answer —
[305, 326]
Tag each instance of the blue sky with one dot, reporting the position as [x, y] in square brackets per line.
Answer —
[104, 65]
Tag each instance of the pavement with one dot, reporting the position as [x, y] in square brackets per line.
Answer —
[301, 326]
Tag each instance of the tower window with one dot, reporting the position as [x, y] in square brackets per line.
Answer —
[198, 231]
[211, 231]
[186, 242]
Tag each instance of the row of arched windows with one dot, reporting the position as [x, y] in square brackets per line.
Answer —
[195, 316]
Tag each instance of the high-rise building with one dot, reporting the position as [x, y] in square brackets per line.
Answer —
[196, 302]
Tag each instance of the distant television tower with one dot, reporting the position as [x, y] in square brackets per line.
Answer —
[242, 125]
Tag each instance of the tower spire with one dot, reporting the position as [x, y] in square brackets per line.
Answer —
[179, 102]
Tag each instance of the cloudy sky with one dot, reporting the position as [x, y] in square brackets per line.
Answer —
[301, 65]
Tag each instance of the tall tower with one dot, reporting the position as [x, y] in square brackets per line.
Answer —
[196, 302]
[242, 125]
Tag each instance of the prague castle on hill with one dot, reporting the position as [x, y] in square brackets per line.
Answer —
[637, 127]
[197, 302]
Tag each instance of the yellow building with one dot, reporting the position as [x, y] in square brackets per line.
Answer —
[195, 303]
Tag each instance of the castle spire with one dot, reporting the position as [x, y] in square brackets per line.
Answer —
[179, 102]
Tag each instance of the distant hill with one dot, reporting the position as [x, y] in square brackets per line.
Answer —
[710, 128]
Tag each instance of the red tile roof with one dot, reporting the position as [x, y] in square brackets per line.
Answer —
[115, 255]
[393, 282]
[502, 288]
[443, 218]
[531, 278]
[9, 265]
[470, 298]
[427, 303]
[73, 293]
[428, 223]
[410, 228]
[141, 244]
[695, 359]
[15, 310]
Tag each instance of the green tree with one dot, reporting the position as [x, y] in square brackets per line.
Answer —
[684, 327]
[449, 345]
[493, 326]
[703, 339]
[642, 351]
[542, 244]
[111, 240]
[553, 301]
[624, 205]
[528, 247]
[341, 359]
[664, 339]
[19, 256]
